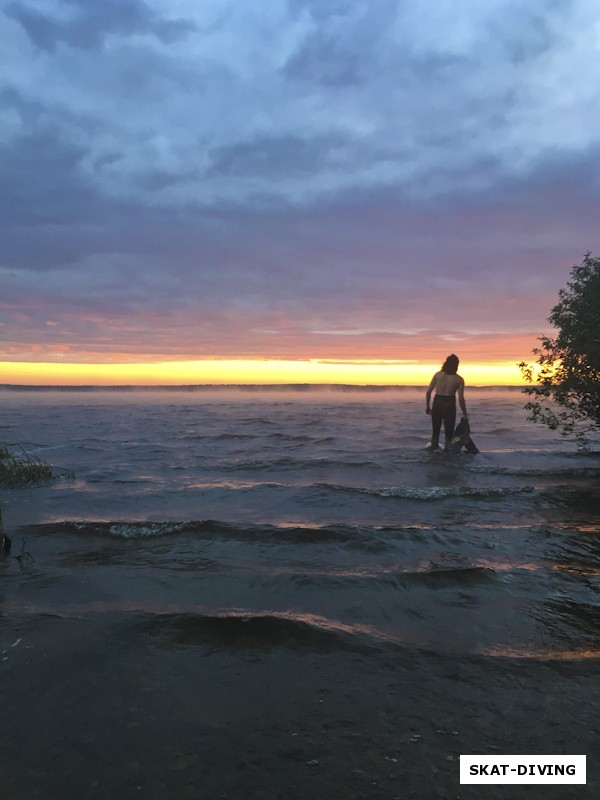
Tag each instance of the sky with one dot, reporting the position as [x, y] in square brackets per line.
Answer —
[279, 190]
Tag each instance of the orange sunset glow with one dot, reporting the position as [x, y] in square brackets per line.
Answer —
[267, 371]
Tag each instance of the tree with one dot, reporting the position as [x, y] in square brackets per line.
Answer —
[566, 396]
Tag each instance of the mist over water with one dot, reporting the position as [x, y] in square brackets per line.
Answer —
[315, 517]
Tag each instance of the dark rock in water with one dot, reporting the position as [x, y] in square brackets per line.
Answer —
[6, 544]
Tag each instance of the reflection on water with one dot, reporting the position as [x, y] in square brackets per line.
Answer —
[544, 655]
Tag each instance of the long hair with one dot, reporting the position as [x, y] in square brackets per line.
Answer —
[450, 365]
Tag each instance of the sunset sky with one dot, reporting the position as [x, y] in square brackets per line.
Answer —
[291, 190]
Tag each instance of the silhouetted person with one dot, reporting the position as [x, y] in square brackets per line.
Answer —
[447, 384]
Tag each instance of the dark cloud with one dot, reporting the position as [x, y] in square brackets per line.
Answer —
[321, 10]
[329, 175]
[368, 95]
[345, 47]
[279, 156]
[39, 183]
[93, 21]
[323, 60]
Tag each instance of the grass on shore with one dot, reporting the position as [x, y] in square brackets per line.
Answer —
[22, 469]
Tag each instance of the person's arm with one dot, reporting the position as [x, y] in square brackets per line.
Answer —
[428, 394]
[461, 398]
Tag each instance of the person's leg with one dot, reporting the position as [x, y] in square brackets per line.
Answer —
[437, 415]
[449, 422]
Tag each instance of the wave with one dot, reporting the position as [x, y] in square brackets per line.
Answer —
[245, 630]
[237, 484]
[432, 493]
[568, 615]
[410, 577]
[215, 528]
[224, 437]
[287, 462]
[231, 628]
[549, 472]
[443, 575]
[302, 438]
[240, 629]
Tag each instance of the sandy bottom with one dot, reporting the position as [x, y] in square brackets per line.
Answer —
[132, 705]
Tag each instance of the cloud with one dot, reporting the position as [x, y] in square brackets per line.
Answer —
[186, 177]
[363, 94]
[85, 25]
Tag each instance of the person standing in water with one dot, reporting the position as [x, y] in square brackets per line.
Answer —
[447, 384]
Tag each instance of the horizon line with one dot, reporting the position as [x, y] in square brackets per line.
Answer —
[242, 386]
